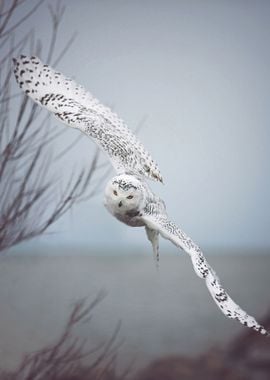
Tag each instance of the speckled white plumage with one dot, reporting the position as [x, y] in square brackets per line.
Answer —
[127, 196]
[148, 210]
[78, 108]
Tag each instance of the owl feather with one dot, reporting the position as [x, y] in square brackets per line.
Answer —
[78, 108]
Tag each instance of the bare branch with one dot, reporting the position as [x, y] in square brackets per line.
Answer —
[22, 20]
[28, 202]
[63, 358]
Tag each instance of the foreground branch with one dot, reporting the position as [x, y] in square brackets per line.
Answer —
[29, 204]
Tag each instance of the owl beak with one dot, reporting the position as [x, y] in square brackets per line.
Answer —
[120, 204]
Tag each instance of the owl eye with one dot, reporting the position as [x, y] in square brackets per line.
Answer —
[130, 197]
[115, 192]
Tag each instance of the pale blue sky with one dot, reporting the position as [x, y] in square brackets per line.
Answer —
[199, 71]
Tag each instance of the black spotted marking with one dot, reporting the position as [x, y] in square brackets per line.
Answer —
[97, 121]
[124, 185]
[146, 168]
[221, 297]
[229, 308]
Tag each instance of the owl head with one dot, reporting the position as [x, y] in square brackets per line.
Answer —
[124, 193]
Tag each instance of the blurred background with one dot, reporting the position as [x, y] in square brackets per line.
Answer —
[192, 79]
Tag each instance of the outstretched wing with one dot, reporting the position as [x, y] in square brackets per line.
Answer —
[159, 221]
[76, 107]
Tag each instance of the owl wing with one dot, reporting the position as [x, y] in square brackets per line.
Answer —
[76, 107]
[160, 222]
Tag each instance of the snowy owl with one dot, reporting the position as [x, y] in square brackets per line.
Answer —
[127, 196]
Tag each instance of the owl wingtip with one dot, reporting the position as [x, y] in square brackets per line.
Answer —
[157, 177]
[160, 178]
[265, 333]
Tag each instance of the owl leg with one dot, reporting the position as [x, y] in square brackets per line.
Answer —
[153, 237]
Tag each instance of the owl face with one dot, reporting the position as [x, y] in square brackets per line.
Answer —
[124, 193]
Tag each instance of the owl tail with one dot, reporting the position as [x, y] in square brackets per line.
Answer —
[153, 237]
